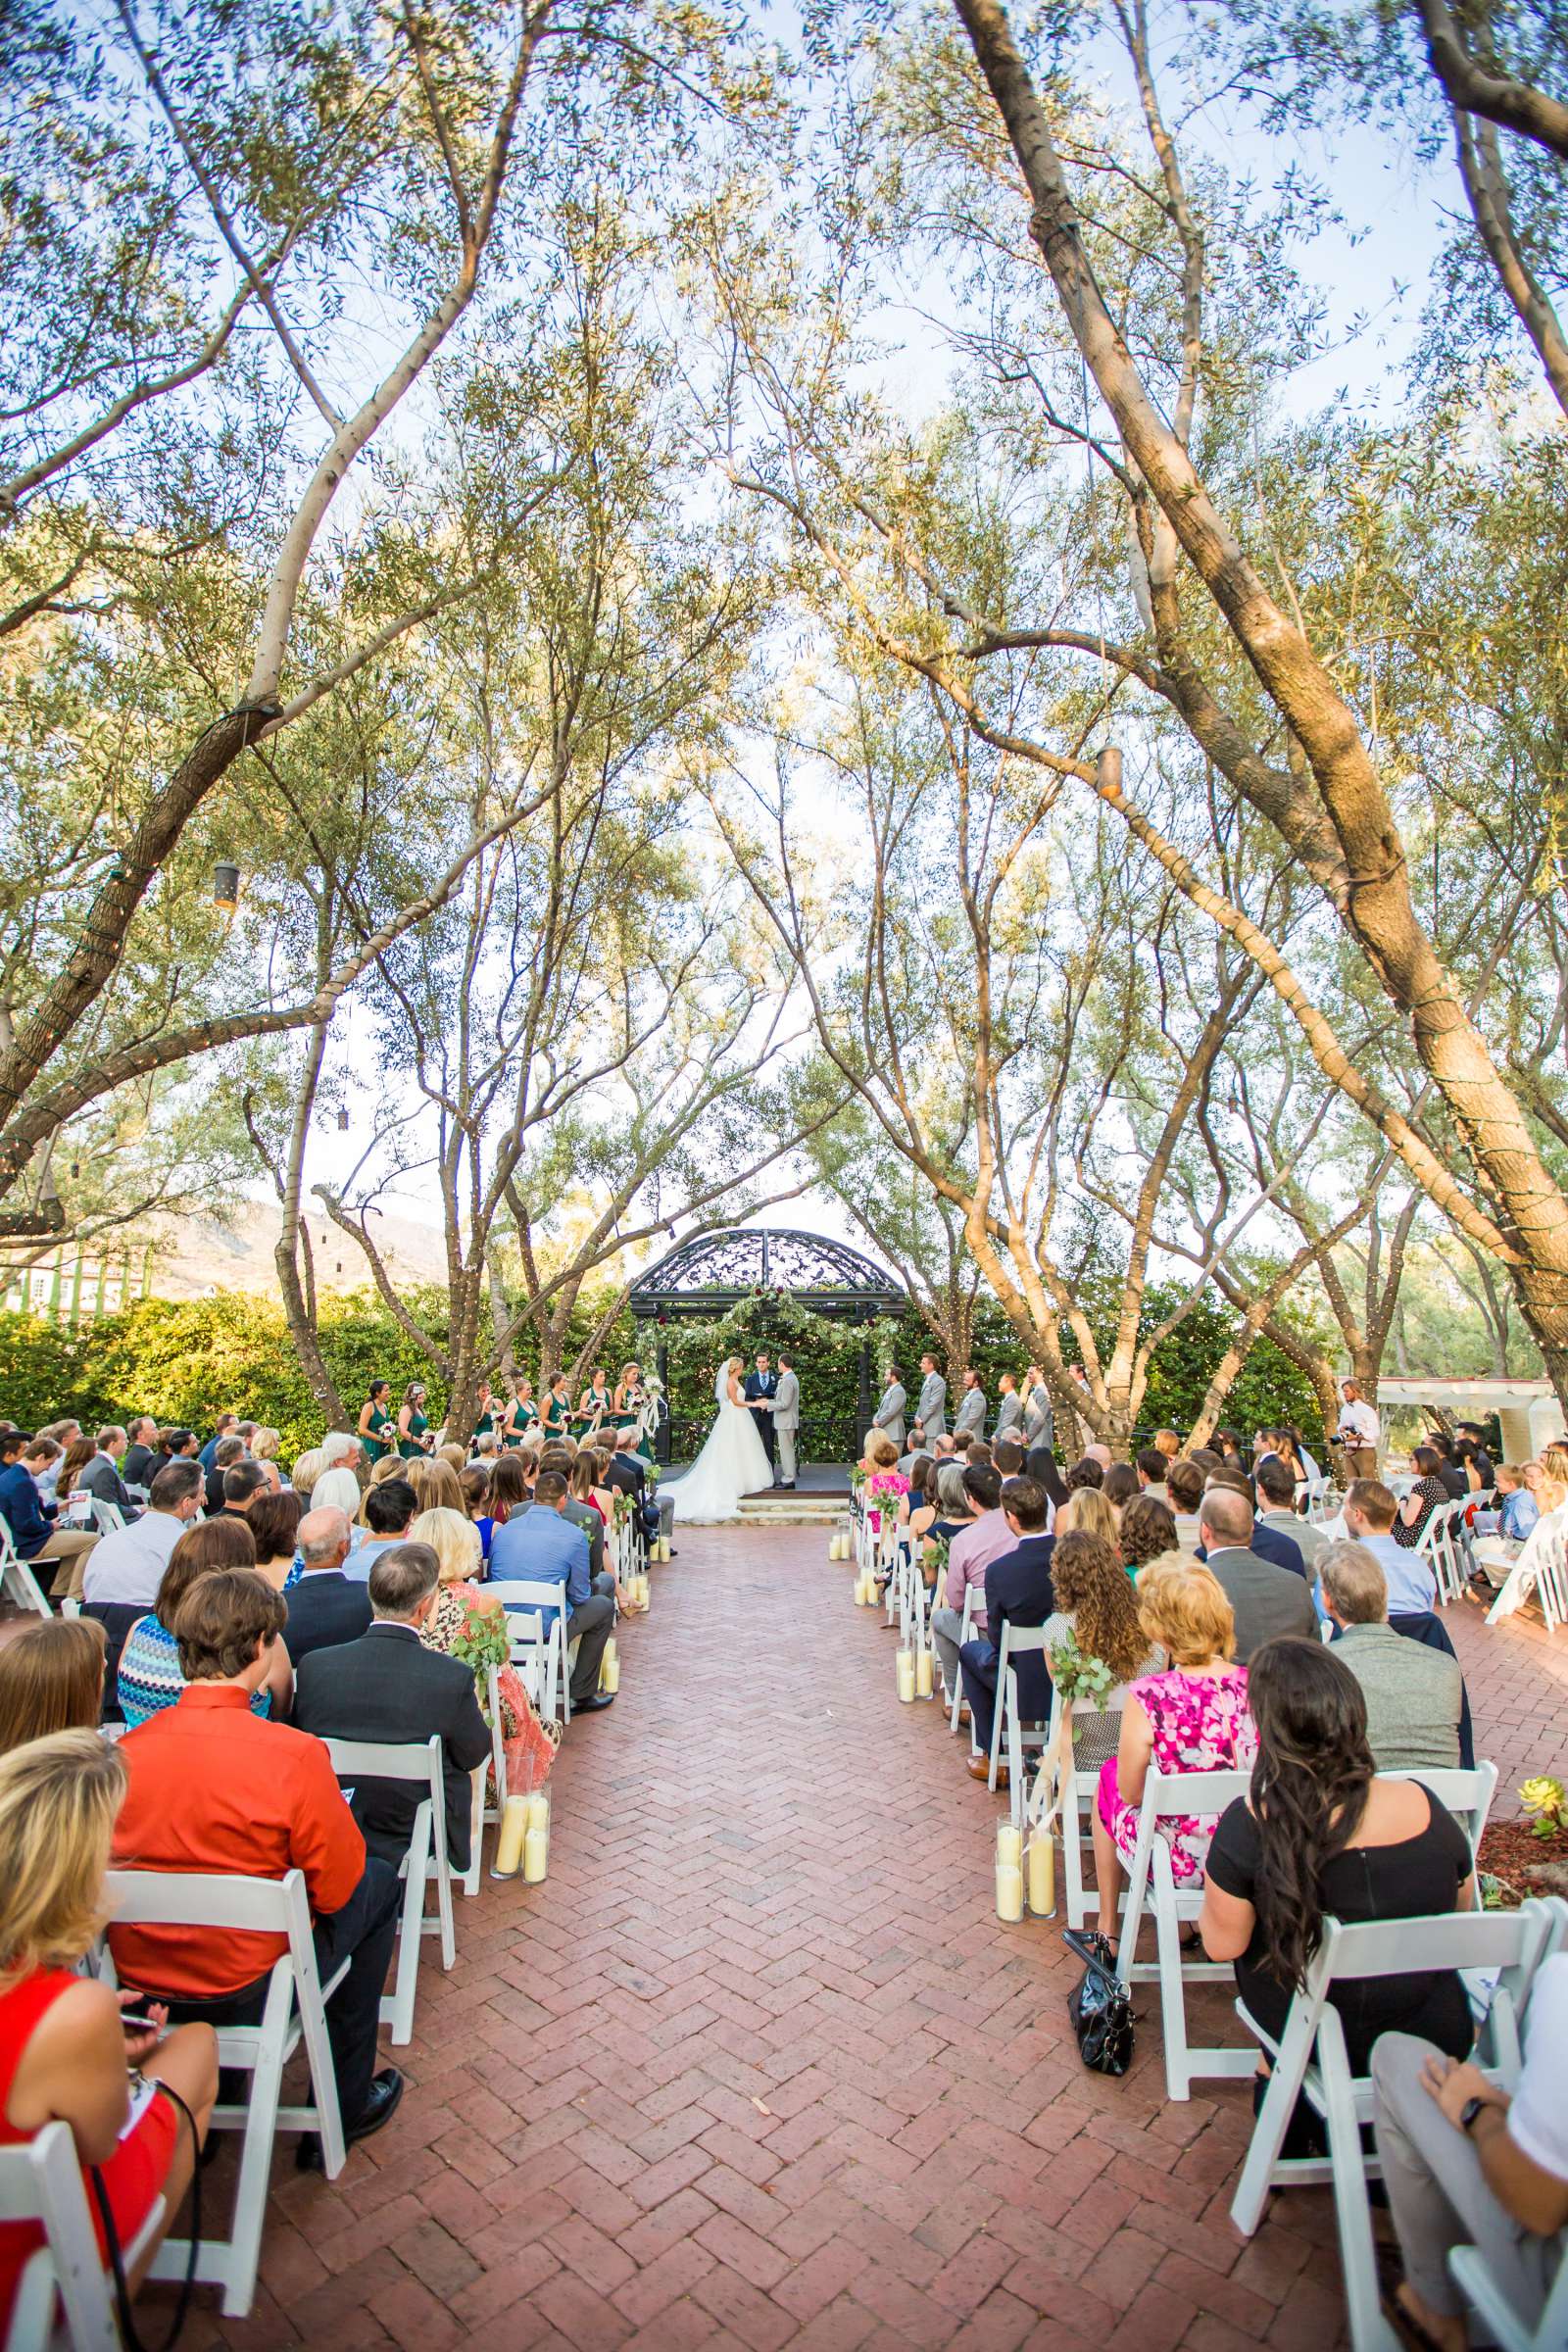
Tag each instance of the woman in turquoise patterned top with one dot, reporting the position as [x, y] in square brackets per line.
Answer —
[414, 1426]
[150, 1677]
[377, 1432]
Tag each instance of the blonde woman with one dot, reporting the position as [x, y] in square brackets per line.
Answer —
[308, 1468]
[64, 2047]
[435, 1483]
[463, 1615]
[1086, 1512]
[1191, 1717]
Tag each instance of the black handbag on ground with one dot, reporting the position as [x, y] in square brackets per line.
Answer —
[1100, 2007]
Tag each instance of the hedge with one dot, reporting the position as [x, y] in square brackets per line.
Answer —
[185, 1359]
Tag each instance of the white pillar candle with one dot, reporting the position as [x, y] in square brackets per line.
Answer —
[539, 1810]
[536, 1856]
[610, 1677]
[1010, 1844]
[1042, 1871]
[508, 1841]
[924, 1672]
[905, 1665]
[1010, 1891]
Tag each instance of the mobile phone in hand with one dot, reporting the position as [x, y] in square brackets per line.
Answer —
[134, 2021]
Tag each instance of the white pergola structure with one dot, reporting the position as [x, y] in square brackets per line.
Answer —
[1528, 1412]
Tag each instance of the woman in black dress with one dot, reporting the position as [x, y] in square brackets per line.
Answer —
[1318, 1835]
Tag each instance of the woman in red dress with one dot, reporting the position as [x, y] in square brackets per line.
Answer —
[66, 2053]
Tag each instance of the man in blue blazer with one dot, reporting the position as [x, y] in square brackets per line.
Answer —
[325, 1608]
[541, 1546]
[1018, 1593]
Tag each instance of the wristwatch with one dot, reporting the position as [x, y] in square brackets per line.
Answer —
[1468, 2113]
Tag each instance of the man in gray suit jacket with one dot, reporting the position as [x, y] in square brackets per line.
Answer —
[1264, 1599]
[1009, 1411]
[1414, 1696]
[889, 1415]
[931, 1413]
[1039, 1416]
[971, 1421]
[786, 1418]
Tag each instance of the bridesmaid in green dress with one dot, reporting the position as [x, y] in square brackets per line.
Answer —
[376, 1431]
[414, 1426]
[520, 1413]
[596, 1405]
[630, 1397]
[484, 1420]
[557, 1415]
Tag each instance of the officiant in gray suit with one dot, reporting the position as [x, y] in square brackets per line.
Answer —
[889, 1415]
[786, 1419]
[971, 1421]
[931, 1413]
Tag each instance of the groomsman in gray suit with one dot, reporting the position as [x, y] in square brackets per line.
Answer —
[1009, 1411]
[786, 1418]
[1039, 1418]
[931, 1413]
[971, 1421]
[889, 1415]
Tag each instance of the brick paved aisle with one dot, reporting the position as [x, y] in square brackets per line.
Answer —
[757, 2066]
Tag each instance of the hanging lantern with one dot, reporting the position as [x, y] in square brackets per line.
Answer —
[342, 1122]
[226, 887]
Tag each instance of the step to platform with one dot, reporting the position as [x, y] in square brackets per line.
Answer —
[795, 1510]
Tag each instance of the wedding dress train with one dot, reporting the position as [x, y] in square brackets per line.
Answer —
[733, 1463]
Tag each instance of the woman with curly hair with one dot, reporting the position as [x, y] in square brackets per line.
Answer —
[1148, 1533]
[1097, 1610]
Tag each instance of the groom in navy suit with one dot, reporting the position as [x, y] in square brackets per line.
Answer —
[763, 1380]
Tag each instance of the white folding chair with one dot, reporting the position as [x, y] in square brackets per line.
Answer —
[41, 2182]
[1500, 2317]
[1076, 1796]
[109, 1517]
[1310, 2062]
[1017, 1640]
[965, 1634]
[417, 1762]
[295, 2011]
[16, 1579]
[1150, 1880]
[536, 1622]
[1467, 1795]
[1542, 1568]
[1315, 1494]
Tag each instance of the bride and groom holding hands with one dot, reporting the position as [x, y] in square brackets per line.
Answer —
[752, 1441]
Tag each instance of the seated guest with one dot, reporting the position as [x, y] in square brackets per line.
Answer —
[226, 1426]
[1414, 1693]
[308, 1468]
[151, 1677]
[274, 1524]
[1190, 1717]
[242, 1482]
[336, 1490]
[33, 1522]
[61, 1434]
[434, 1482]
[475, 1485]
[1264, 1598]
[1087, 1512]
[389, 1510]
[563, 1459]
[460, 1605]
[1428, 1492]
[1184, 1484]
[1275, 1484]
[540, 1545]
[51, 1680]
[1148, 1530]
[1465, 2163]
[176, 1446]
[970, 1553]
[1168, 1442]
[389, 1686]
[1152, 1468]
[266, 1447]
[1369, 1512]
[100, 1478]
[1120, 1484]
[341, 1450]
[326, 1606]
[1320, 1834]
[955, 1511]
[1452, 1479]
[79, 1453]
[1040, 1464]
[65, 2051]
[214, 1787]
[1086, 1472]
[1097, 1608]
[1018, 1593]
[127, 1567]
[228, 1452]
[1268, 1543]
[141, 1453]
[1517, 1507]
[1006, 1458]
[628, 1471]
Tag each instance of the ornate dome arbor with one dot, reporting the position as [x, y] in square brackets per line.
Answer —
[711, 1273]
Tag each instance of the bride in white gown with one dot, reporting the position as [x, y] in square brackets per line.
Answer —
[732, 1464]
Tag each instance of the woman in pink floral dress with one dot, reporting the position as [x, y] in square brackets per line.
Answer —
[1190, 1718]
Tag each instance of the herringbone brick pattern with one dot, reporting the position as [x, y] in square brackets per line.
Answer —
[758, 2066]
